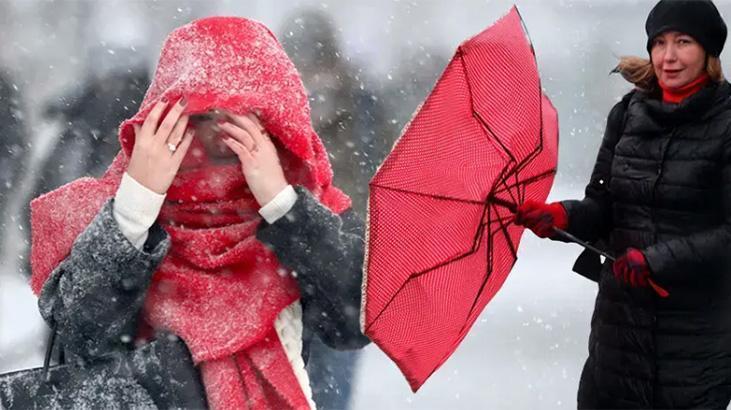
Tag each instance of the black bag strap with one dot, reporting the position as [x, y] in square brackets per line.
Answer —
[49, 349]
[49, 352]
[52, 343]
[625, 105]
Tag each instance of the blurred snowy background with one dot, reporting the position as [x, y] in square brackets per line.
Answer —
[71, 70]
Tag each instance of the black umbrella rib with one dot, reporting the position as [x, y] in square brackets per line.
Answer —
[495, 137]
[504, 229]
[539, 148]
[528, 158]
[476, 240]
[490, 207]
[479, 234]
[476, 114]
[475, 246]
[518, 166]
[513, 205]
[536, 178]
[541, 132]
[514, 167]
[440, 197]
[490, 256]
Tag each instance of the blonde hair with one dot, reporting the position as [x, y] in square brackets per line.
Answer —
[639, 71]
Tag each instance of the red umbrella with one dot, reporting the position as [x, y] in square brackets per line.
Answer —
[440, 241]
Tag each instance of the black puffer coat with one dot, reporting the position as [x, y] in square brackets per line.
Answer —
[662, 184]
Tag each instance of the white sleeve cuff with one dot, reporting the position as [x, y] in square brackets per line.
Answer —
[135, 209]
[279, 205]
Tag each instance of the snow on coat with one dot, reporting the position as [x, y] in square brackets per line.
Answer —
[219, 288]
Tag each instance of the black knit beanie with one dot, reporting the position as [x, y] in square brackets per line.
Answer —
[699, 19]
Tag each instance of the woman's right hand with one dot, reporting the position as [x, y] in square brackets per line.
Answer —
[541, 218]
[159, 150]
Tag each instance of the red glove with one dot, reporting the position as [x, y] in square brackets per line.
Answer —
[631, 268]
[542, 218]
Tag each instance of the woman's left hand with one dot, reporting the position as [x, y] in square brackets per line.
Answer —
[258, 155]
[631, 269]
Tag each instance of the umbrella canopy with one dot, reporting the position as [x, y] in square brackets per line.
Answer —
[440, 242]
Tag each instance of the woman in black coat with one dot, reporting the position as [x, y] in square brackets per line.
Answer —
[659, 198]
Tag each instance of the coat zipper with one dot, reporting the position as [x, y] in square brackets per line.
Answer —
[659, 175]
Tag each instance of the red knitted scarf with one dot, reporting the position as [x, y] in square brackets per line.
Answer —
[219, 289]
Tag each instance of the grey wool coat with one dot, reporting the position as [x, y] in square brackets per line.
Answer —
[94, 296]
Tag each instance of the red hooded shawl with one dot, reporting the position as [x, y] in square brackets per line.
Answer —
[219, 289]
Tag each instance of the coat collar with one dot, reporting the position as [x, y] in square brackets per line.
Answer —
[704, 104]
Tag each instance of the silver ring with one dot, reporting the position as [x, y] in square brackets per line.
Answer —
[172, 147]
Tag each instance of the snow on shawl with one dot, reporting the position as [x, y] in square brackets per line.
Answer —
[218, 288]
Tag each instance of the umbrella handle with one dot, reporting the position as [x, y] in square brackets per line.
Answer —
[571, 238]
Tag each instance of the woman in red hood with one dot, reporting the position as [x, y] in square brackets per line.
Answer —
[217, 221]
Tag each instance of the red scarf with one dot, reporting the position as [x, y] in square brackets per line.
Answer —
[677, 96]
[219, 289]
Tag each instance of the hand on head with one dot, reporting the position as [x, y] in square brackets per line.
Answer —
[159, 149]
[160, 146]
[258, 155]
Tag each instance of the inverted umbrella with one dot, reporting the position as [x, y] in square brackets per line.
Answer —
[440, 243]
